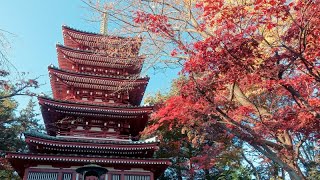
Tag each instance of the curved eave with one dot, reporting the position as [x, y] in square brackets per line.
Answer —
[94, 59]
[86, 141]
[90, 86]
[97, 79]
[20, 160]
[99, 36]
[89, 159]
[67, 144]
[84, 107]
[55, 110]
[75, 38]
[61, 79]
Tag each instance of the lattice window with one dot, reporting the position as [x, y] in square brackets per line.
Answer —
[136, 177]
[115, 177]
[42, 176]
[67, 176]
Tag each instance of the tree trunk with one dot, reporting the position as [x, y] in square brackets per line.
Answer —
[292, 169]
[297, 174]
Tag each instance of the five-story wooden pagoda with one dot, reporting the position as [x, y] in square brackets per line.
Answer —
[94, 116]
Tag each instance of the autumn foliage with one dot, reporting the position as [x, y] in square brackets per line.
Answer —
[254, 74]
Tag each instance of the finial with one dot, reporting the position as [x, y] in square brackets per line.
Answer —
[104, 23]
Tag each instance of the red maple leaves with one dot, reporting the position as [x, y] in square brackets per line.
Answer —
[154, 23]
[257, 76]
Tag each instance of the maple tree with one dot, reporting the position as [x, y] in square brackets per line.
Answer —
[193, 153]
[252, 70]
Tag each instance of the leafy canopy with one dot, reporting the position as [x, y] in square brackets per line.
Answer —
[254, 75]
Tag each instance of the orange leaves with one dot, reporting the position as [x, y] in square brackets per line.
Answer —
[315, 102]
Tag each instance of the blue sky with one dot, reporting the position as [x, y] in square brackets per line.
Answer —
[37, 28]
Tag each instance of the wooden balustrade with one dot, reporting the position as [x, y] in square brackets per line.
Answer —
[94, 134]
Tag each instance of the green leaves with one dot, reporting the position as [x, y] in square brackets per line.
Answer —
[12, 127]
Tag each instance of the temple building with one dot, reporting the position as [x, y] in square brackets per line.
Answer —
[94, 118]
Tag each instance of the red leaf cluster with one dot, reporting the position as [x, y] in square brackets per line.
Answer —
[257, 77]
[154, 23]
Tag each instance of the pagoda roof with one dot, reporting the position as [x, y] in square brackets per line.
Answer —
[80, 146]
[55, 110]
[95, 108]
[132, 144]
[73, 37]
[95, 59]
[97, 79]
[135, 86]
[98, 36]
[19, 160]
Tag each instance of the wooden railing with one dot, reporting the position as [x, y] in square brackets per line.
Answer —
[93, 134]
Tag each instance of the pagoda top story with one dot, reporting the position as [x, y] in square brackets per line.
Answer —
[111, 46]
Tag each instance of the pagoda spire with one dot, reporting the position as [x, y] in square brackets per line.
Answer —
[104, 23]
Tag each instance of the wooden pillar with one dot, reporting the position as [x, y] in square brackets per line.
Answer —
[26, 172]
[122, 175]
[60, 177]
[72, 92]
[77, 68]
[74, 176]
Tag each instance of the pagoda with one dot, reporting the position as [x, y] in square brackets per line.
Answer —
[94, 119]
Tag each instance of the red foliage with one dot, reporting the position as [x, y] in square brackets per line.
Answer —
[154, 23]
[257, 77]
